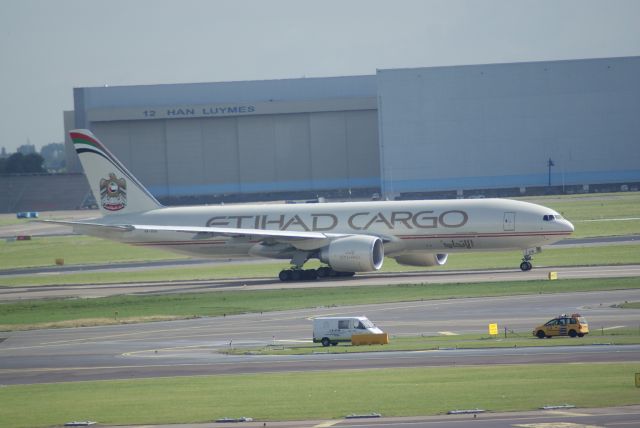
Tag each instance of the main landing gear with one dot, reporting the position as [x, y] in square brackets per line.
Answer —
[527, 257]
[297, 274]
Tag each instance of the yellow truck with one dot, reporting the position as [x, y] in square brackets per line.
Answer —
[563, 325]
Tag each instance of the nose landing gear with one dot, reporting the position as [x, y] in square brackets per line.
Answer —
[526, 264]
[527, 257]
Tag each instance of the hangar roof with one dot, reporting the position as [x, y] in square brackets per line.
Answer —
[227, 92]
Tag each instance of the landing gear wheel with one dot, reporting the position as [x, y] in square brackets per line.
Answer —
[526, 266]
[285, 275]
[328, 272]
[310, 274]
[526, 258]
[323, 271]
[298, 275]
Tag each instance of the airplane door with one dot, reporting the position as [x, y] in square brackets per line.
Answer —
[509, 223]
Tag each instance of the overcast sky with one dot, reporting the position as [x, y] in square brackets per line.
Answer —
[48, 47]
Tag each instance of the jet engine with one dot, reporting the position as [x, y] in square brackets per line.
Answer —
[422, 259]
[358, 253]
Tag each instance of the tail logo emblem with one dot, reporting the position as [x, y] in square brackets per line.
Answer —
[113, 193]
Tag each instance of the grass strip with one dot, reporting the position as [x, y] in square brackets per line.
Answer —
[75, 250]
[582, 210]
[587, 256]
[319, 395]
[519, 339]
[123, 309]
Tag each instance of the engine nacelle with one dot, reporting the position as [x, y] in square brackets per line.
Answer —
[422, 259]
[357, 253]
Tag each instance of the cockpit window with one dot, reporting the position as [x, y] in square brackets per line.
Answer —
[551, 217]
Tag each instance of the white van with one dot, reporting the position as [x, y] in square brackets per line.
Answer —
[331, 330]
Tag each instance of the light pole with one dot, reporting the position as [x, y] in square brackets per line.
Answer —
[550, 164]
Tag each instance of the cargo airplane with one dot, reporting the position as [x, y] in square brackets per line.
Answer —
[348, 237]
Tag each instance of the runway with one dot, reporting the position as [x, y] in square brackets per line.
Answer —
[190, 347]
[419, 277]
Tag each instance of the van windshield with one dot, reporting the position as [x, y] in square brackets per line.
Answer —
[367, 324]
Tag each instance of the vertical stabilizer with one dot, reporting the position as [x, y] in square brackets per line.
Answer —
[115, 189]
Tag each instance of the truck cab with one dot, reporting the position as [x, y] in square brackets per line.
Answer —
[331, 330]
[574, 325]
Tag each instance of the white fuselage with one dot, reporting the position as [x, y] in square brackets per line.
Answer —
[436, 226]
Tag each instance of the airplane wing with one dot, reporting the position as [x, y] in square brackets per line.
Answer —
[97, 226]
[295, 238]
[235, 232]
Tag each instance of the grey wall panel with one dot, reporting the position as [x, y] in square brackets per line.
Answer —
[149, 154]
[497, 125]
[221, 163]
[292, 151]
[115, 135]
[185, 157]
[72, 160]
[256, 149]
[363, 155]
[328, 150]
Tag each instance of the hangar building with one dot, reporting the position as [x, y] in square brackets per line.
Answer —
[405, 132]
[255, 137]
[497, 126]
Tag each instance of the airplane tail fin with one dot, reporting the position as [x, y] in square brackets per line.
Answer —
[115, 189]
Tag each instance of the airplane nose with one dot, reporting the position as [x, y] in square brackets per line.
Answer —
[569, 225]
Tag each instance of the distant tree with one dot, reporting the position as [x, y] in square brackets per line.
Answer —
[18, 163]
[33, 163]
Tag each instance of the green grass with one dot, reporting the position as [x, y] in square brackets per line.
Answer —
[6, 220]
[75, 250]
[588, 256]
[632, 305]
[583, 209]
[319, 395]
[72, 312]
[520, 339]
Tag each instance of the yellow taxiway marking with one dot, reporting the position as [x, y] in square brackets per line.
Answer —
[327, 424]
